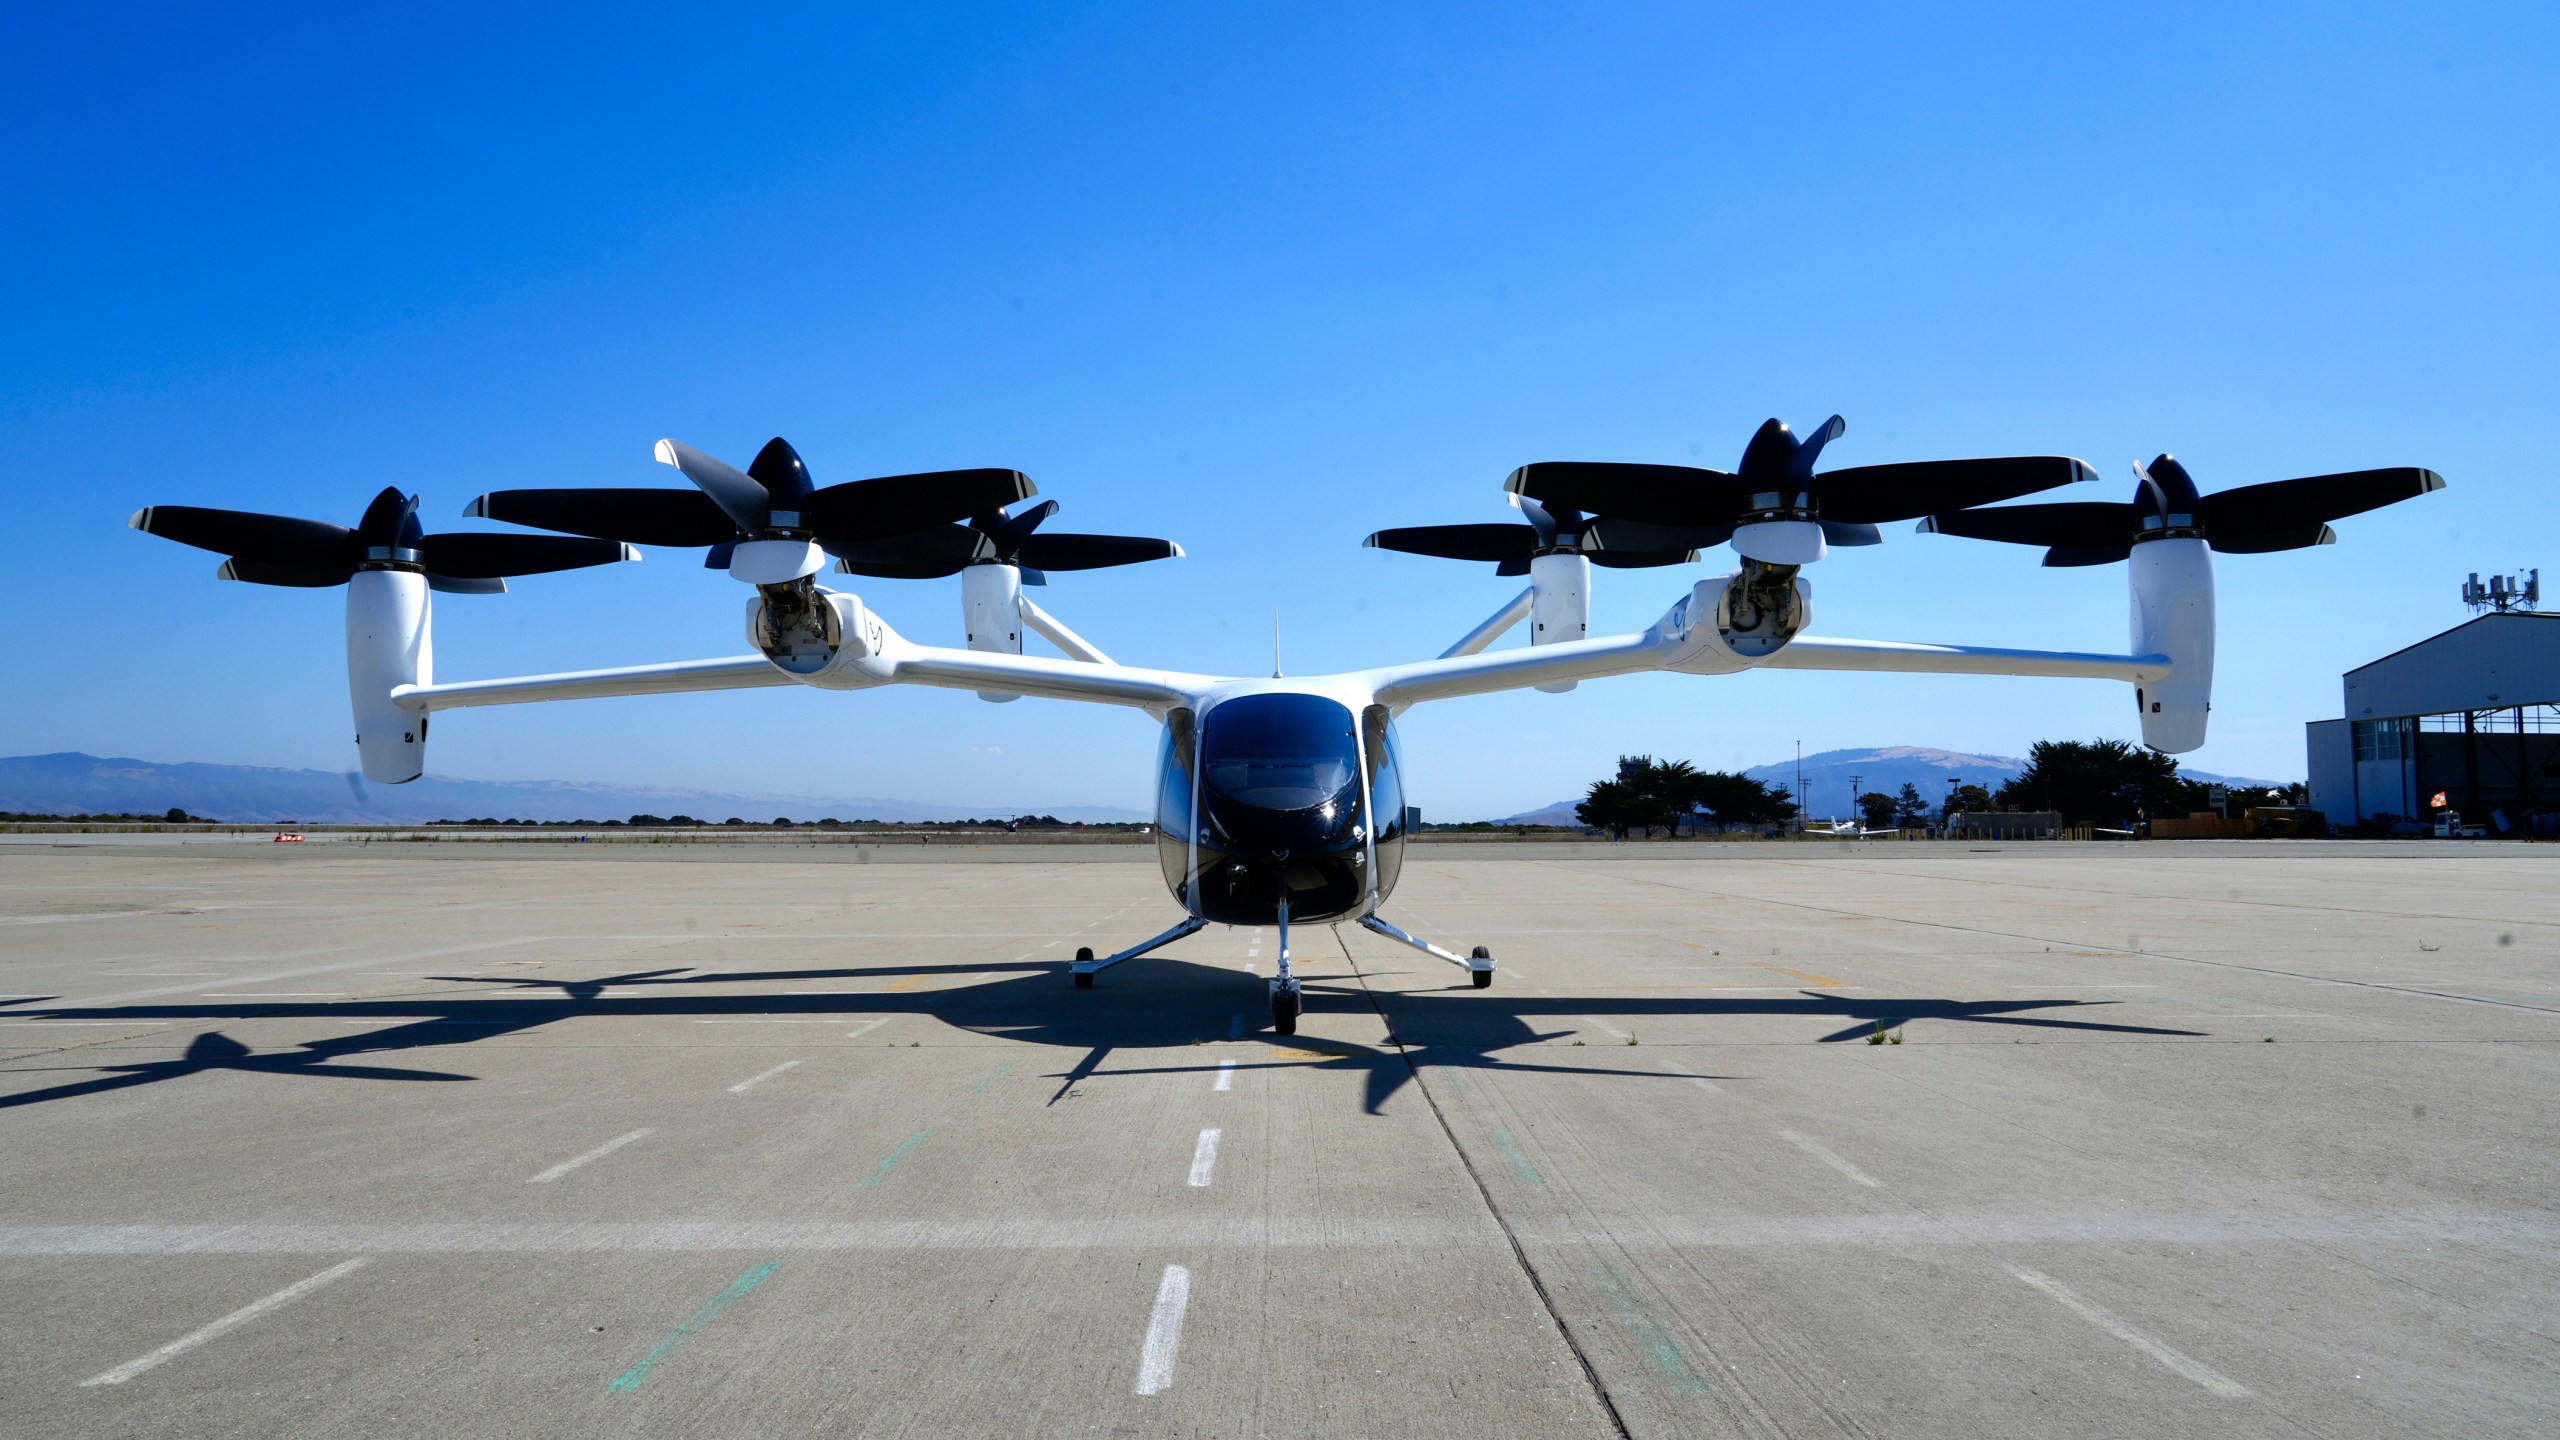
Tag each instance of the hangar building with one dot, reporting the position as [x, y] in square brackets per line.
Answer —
[2473, 714]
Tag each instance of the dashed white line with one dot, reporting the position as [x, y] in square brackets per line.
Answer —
[2196, 1370]
[752, 1081]
[1204, 1158]
[1824, 1153]
[275, 995]
[598, 1153]
[228, 1323]
[1693, 1077]
[1604, 1026]
[1226, 1075]
[865, 1028]
[1164, 1331]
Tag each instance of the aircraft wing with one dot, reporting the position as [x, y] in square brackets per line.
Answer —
[896, 663]
[1823, 652]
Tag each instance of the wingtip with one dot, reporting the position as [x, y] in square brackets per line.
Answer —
[1511, 484]
[664, 452]
[1178, 552]
[631, 552]
[2082, 470]
[225, 572]
[141, 519]
[478, 509]
[2429, 480]
[1928, 526]
[1023, 489]
[2327, 536]
[1372, 542]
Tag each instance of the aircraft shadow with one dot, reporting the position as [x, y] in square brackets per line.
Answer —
[1152, 1003]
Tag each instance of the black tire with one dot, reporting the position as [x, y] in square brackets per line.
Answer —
[1084, 982]
[1483, 979]
[1284, 1013]
[1084, 978]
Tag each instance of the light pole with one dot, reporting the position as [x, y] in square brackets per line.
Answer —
[1854, 799]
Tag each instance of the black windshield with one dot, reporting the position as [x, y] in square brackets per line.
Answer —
[1281, 752]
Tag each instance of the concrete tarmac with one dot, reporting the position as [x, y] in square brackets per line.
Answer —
[343, 1141]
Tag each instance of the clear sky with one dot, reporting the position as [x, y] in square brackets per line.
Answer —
[1261, 281]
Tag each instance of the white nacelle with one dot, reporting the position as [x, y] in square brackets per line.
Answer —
[1559, 605]
[1780, 542]
[991, 606]
[388, 643]
[775, 562]
[2172, 591]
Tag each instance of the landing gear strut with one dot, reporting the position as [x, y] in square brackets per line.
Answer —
[1479, 966]
[1284, 985]
[1086, 967]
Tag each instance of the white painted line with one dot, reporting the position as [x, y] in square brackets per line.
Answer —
[752, 1081]
[1789, 989]
[2201, 1373]
[865, 1028]
[1164, 1331]
[598, 1153]
[1823, 1153]
[1252, 967]
[1226, 1075]
[1604, 1026]
[1701, 1081]
[830, 1020]
[275, 994]
[228, 1323]
[1204, 1158]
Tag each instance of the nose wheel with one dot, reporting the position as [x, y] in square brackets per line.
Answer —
[1482, 974]
[1284, 1009]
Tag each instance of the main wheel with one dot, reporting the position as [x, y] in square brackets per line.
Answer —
[1284, 1012]
[1483, 978]
[1084, 978]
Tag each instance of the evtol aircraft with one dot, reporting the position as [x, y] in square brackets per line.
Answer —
[1281, 800]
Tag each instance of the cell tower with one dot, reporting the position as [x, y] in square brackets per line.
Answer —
[2503, 592]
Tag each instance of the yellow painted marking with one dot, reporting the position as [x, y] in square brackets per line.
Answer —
[1808, 976]
[909, 983]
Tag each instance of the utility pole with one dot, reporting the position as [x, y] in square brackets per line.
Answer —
[1854, 797]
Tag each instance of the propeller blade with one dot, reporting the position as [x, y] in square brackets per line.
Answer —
[2301, 537]
[456, 585]
[1800, 465]
[777, 467]
[1460, 542]
[262, 572]
[1875, 494]
[642, 517]
[2281, 505]
[719, 556]
[2077, 523]
[1092, 552]
[1513, 568]
[275, 539]
[471, 556]
[2064, 556]
[1008, 532]
[1659, 494]
[1639, 559]
[740, 496]
[922, 555]
[1613, 533]
[892, 505]
[1841, 532]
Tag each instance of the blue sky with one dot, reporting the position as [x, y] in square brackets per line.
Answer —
[1263, 283]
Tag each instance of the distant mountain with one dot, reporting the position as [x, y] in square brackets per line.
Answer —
[73, 783]
[1826, 778]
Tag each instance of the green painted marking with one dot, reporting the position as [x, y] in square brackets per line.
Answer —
[1528, 1173]
[1648, 1332]
[905, 1148]
[630, 1379]
[999, 1073]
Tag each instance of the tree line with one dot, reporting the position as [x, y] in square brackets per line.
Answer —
[2094, 782]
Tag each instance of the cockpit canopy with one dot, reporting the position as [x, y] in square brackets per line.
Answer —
[1282, 753]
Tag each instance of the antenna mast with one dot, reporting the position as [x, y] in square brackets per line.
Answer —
[2503, 593]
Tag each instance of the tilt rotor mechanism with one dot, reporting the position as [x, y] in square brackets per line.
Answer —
[1550, 530]
[1776, 510]
[2249, 520]
[310, 554]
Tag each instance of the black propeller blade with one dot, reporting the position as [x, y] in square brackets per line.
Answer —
[286, 550]
[997, 535]
[771, 498]
[1777, 480]
[1552, 529]
[2250, 520]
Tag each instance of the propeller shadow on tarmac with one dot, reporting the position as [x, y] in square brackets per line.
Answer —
[1154, 1003]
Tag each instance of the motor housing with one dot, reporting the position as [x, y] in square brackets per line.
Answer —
[2170, 581]
[389, 643]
